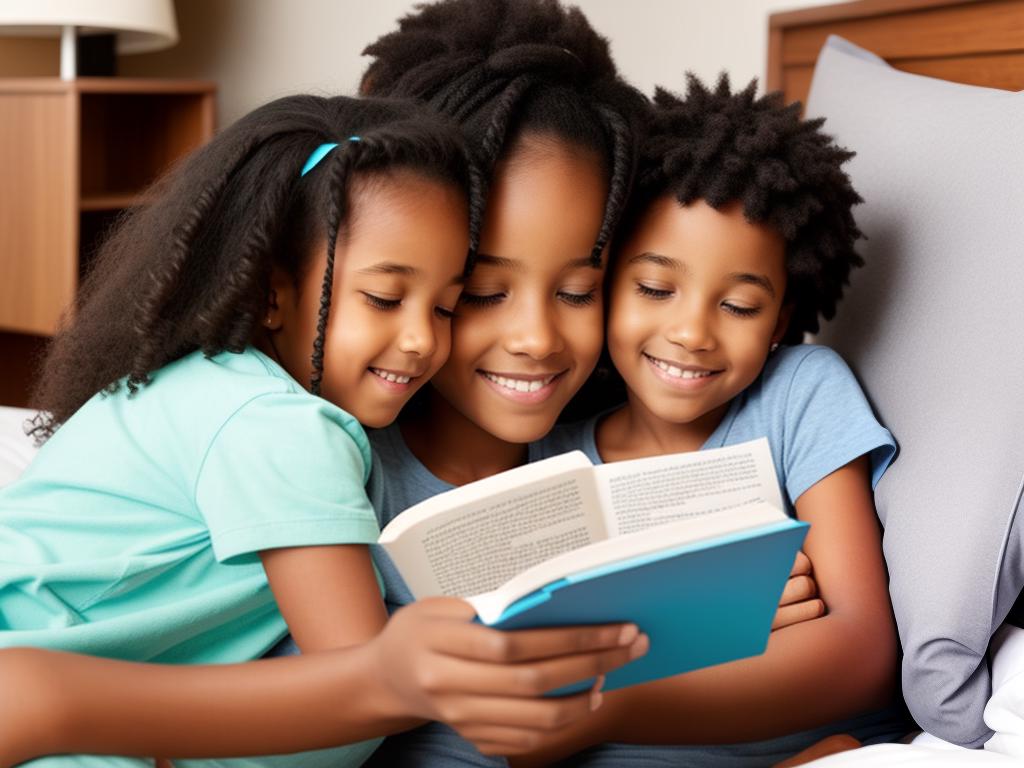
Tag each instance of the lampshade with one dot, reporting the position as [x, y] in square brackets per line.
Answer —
[141, 25]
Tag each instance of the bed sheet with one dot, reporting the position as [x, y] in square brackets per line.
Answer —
[16, 448]
[1004, 714]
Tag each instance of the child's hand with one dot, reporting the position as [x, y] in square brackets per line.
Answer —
[488, 684]
[800, 601]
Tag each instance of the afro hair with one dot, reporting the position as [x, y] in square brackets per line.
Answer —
[721, 147]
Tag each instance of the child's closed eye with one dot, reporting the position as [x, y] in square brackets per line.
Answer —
[653, 293]
[578, 299]
[381, 303]
[740, 311]
[481, 299]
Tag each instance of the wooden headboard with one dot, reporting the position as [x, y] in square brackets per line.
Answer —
[980, 42]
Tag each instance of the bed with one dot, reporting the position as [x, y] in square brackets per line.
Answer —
[928, 94]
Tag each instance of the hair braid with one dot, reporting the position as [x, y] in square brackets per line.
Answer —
[497, 127]
[340, 167]
[623, 166]
[477, 205]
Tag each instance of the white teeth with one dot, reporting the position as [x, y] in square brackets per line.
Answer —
[393, 377]
[676, 372]
[520, 385]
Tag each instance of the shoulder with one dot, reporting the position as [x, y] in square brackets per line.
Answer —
[806, 371]
[254, 400]
[804, 362]
[807, 376]
[823, 419]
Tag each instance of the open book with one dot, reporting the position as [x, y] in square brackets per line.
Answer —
[695, 548]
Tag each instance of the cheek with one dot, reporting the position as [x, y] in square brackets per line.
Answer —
[443, 333]
[583, 330]
[471, 337]
[750, 346]
[628, 323]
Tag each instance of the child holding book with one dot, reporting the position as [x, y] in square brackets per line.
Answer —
[292, 279]
[738, 237]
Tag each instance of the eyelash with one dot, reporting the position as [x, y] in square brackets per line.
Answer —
[386, 305]
[741, 311]
[659, 295]
[380, 303]
[652, 293]
[477, 300]
[488, 300]
[578, 299]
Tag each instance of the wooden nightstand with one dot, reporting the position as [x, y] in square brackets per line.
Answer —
[74, 155]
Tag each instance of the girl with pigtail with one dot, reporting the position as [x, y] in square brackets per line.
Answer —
[203, 463]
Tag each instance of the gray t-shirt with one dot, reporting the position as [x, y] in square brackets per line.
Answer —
[398, 481]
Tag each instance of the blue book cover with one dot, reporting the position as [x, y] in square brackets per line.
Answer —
[700, 604]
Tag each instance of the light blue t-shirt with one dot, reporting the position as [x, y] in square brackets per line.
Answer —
[135, 532]
[816, 418]
[807, 403]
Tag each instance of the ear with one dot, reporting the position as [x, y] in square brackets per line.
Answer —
[782, 324]
[279, 298]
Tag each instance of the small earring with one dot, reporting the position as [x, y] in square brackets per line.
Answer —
[268, 321]
[774, 346]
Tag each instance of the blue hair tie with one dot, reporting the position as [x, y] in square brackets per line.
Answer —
[319, 153]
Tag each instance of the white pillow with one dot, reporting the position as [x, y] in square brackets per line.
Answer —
[16, 448]
[934, 327]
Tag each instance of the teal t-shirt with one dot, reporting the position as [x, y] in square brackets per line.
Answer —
[135, 532]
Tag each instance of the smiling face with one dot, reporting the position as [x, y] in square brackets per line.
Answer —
[528, 329]
[397, 277]
[696, 303]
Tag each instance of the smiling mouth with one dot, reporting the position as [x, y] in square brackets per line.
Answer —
[394, 378]
[516, 384]
[680, 372]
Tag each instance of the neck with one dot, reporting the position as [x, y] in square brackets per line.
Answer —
[454, 448]
[634, 431]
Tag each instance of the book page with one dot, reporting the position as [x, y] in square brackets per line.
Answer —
[643, 493]
[477, 545]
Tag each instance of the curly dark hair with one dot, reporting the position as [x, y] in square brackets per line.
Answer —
[507, 68]
[191, 269]
[722, 146]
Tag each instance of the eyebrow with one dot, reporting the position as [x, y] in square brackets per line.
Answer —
[658, 260]
[749, 278]
[753, 279]
[390, 268]
[516, 264]
[393, 268]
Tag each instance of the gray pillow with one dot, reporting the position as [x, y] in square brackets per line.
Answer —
[934, 328]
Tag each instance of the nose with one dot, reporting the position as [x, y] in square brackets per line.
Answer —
[418, 335]
[692, 328]
[534, 332]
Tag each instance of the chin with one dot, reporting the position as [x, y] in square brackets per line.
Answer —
[376, 420]
[521, 431]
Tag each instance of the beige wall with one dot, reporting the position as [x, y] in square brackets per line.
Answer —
[259, 49]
